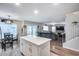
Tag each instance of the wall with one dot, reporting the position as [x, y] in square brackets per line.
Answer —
[19, 27]
[72, 44]
[71, 30]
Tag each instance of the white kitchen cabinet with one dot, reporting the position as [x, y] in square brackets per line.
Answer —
[35, 46]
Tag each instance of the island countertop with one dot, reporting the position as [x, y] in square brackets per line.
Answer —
[35, 39]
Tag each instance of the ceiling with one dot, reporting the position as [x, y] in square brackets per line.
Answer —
[48, 12]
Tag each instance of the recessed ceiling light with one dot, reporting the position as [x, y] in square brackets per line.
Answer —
[17, 3]
[35, 11]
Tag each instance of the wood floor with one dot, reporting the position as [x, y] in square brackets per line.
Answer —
[64, 52]
[56, 47]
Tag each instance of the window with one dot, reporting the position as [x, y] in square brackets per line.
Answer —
[8, 28]
[45, 28]
[29, 30]
[53, 29]
[32, 30]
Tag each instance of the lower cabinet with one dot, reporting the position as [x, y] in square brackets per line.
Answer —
[30, 49]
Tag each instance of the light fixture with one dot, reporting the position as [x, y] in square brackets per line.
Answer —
[75, 22]
[35, 11]
[17, 4]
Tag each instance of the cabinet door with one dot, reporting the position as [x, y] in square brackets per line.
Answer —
[21, 45]
[35, 50]
[30, 49]
[25, 47]
[45, 49]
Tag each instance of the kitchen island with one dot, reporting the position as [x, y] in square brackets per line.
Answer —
[34, 46]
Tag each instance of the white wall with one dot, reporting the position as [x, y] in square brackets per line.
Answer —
[72, 32]
[72, 44]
